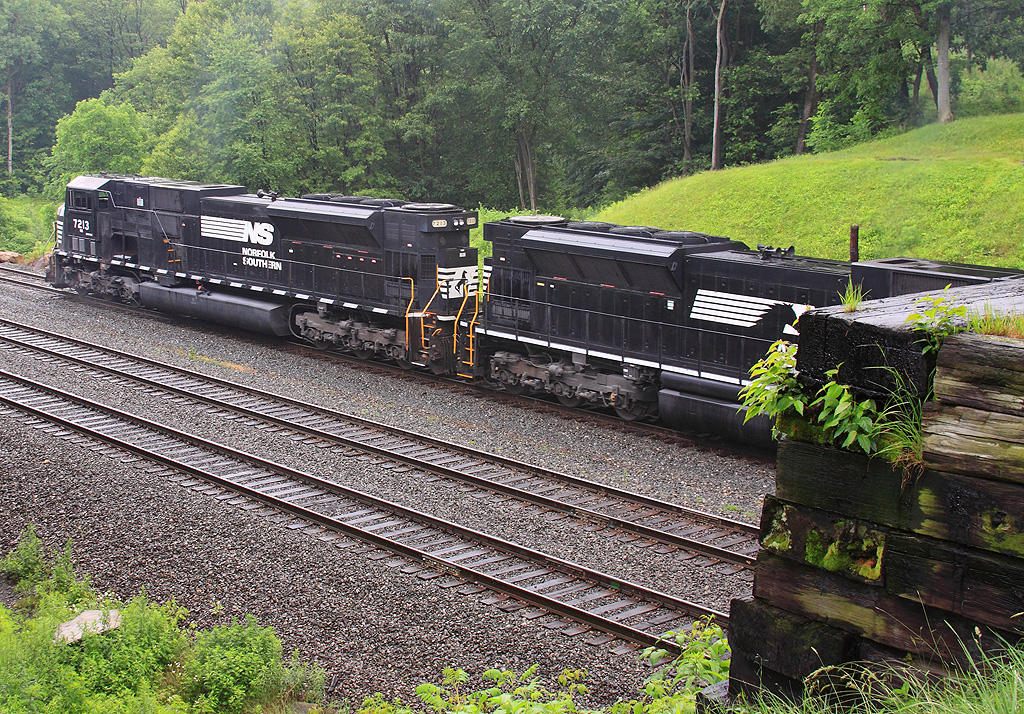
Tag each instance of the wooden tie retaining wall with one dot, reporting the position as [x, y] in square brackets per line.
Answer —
[864, 562]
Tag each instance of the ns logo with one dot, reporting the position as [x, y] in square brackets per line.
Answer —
[258, 233]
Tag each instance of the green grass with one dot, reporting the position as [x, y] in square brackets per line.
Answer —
[952, 192]
[26, 225]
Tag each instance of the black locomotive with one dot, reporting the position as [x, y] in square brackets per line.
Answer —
[651, 323]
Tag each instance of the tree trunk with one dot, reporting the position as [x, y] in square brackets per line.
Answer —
[519, 178]
[687, 85]
[810, 103]
[917, 84]
[716, 141]
[10, 131]
[526, 173]
[942, 100]
[929, 72]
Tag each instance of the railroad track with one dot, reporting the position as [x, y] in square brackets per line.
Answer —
[580, 598]
[539, 404]
[26, 279]
[714, 541]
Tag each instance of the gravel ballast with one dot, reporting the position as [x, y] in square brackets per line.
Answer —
[337, 607]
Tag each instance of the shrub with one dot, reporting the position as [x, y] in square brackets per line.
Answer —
[233, 667]
[138, 652]
[26, 565]
[998, 88]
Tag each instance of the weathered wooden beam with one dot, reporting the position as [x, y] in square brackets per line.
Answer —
[749, 678]
[982, 371]
[846, 546]
[868, 341]
[871, 612]
[975, 442]
[978, 512]
[785, 643]
[981, 586]
[839, 481]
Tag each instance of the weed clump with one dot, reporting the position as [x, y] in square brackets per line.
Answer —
[150, 663]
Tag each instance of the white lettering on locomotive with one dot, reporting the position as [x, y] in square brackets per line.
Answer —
[258, 258]
[237, 230]
[259, 233]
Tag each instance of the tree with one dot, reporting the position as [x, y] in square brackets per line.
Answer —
[519, 55]
[327, 89]
[942, 97]
[97, 136]
[24, 26]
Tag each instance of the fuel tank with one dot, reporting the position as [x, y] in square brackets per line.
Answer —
[225, 308]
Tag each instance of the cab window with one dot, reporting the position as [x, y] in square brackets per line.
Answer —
[81, 199]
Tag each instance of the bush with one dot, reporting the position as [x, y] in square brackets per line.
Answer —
[138, 652]
[998, 88]
[26, 565]
[233, 667]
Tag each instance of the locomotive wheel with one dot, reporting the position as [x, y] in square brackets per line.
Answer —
[571, 402]
[629, 413]
[634, 411]
[363, 354]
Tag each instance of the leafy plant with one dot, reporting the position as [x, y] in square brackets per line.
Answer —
[703, 660]
[26, 565]
[936, 319]
[852, 297]
[233, 667]
[898, 425]
[774, 389]
[506, 692]
[843, 418]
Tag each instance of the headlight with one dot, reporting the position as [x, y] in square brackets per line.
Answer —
[439, 223]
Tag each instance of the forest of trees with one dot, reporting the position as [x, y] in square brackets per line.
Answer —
[561, 103]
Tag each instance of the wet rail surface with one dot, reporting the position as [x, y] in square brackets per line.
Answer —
[575, 599]
[727, 545]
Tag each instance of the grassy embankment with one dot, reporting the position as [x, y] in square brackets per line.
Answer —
[953, 192]
[26, 225]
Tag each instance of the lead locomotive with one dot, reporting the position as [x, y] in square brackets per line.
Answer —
[651, 323]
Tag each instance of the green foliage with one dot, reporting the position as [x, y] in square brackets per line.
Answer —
[505, 693]
[63, 583]
[898, 427]
[26, 225]
[26, 565]
[998, 88]
[844, 419]
[145, 665]
[148, 641]
[233, 667]
[97, 136]
[774, 390]
[703, 660]
[852, 297]
[937, 318]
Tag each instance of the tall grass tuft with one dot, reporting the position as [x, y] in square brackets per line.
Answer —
[993, 322]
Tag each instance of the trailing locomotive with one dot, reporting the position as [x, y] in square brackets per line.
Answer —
[648, 322]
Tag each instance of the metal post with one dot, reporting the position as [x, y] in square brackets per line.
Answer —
[854, 243]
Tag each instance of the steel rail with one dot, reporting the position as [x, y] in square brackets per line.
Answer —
[658, 534]
[596, 578]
